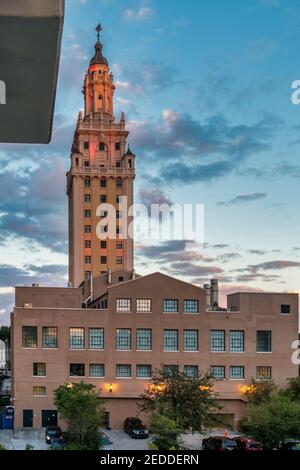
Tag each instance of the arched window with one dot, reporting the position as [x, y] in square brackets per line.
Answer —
[129, 164]
[102, 146]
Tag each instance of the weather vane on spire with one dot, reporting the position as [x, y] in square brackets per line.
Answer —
[98, 29]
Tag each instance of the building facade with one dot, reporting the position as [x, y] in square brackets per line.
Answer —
[102, 172]
[114, 328]
[148, 322]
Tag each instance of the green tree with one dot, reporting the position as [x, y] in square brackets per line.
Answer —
[293, 390]
[274, 421]
[82, 408]
[258, 392]
[165, 432]
[2, 447]
[190, 402]
[5, 333]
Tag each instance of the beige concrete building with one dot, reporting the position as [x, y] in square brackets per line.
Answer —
[130, 327]
[113, 328]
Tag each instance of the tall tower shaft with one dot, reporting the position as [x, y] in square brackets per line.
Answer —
[101, 172]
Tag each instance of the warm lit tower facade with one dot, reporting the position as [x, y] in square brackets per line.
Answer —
[102, 172]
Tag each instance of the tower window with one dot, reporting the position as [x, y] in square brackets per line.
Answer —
[87, 183]
[118, 164]
[119, 245]
[103, 260]
[103, 244]
[103, 198]
[87, 244]
[86, 163]
[129, 164]
[119, 183]
[118, 146]
[119, 260]
[103, 183]
[87, 198]
[102, 146]
[77, 161]
[88, 229]
[119, 214]
[87, 259]
[87, 214]
[86, 145]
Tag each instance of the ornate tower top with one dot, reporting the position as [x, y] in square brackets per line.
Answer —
[98, 57]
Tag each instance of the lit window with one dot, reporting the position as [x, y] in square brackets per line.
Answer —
[96, 370]
[76, 340]
[123, 339]
[39, 391]
[191, 306]
[170, 306]
[143, 371]
[39, 369]
[123, 370]
[76, 370]
[190, 340]
[217, 340]
[50, 337]
[264, 341]
[263, 372]
[144, 339]
[237, 341]
[123, 305]
[171, 340]
[237, 372]
[96, 338]
[192, 372]
[143, 305]
[29, 337]
[217, 372]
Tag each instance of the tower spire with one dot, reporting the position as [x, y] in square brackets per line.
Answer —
[98, 29]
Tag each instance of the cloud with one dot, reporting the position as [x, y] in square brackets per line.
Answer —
[243, 198]
[273, 265]
[258, 252]
[51, 275]
[143, 12]
[6, 306]
[286, 169]
[153, 196]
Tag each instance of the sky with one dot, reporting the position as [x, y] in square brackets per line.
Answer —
[206, 89]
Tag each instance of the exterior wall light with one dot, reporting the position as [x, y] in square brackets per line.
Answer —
[110, 388]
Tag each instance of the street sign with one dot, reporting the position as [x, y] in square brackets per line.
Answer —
[30, 41]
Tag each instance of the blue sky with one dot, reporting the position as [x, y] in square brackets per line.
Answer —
[206, 88]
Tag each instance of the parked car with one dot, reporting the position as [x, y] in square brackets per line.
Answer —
[106, 443]
[219, 443]
[52, 432]
[57, 443]
[135, 428]
[290, 445]
[247, 444]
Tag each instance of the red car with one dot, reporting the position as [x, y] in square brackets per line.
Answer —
[247, 444]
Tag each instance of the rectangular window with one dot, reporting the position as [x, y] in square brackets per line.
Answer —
[191, 306]
[118, 164]
[264, 341]
[87, 244]
[143, 305]
[87, 183]
[87, 198]
[103, 260]
[192, 372]
[50, 335]
[123, 370]
[39, 391]
[76, 370]
[86, 145]
[103, 244]
[39, 369]
[86, 163]
[119, 245]
[285, 309]
[118, 145]
[76, 340]
[119, 183]
[170, 340]
[170, 370]
[96, 338]
[236, 372]
[87, 228]
[123, 342]
[190, 340]
[263, 372]
[217, 340]
[103, 183]
[217, 372]
[87, 259]
[123, 305]
[119, 259]
[144, 339]
[87, 214]
[96, 370]
[103, 198]
[143, 371]
[29, 337]
[170, 305]
[237, 341]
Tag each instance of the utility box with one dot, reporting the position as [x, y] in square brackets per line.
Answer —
[30, 42]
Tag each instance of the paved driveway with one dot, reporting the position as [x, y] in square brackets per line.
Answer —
[122, 441]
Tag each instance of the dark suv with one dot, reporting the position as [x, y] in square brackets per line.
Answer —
[219, 443]
[52, 432]
[135, 428]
